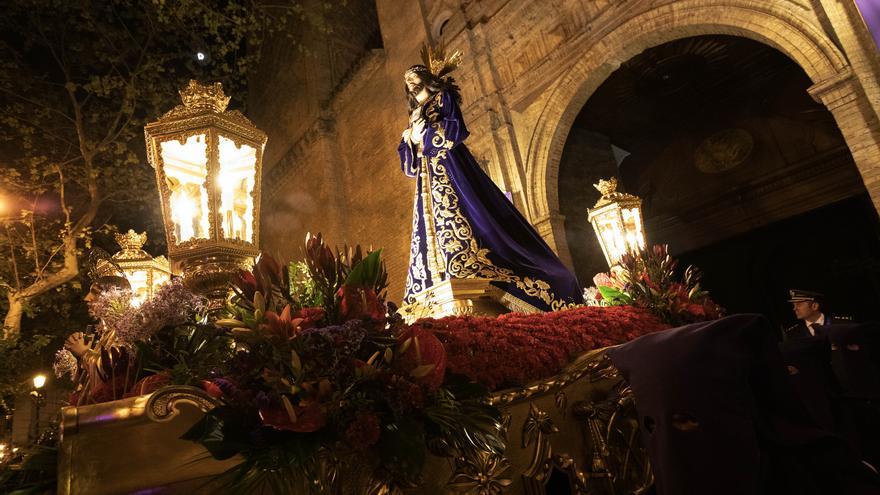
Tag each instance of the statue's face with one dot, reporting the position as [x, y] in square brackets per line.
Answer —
[413, 82]
[94, 293]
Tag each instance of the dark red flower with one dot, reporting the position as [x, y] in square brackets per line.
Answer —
[269, 268]
[423, 350]
[212, 388]
[307, 318]
[363, 431]
[308, 416]
[246, 283]
[360, 302]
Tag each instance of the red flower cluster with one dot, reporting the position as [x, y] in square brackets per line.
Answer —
[363, 431]
[357, 302]
[516, 348]
[424, 357]
[288, 326]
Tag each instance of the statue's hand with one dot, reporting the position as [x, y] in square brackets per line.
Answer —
[417, 130]
[76, 344]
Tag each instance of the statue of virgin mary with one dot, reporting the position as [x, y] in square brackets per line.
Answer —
[463, 225]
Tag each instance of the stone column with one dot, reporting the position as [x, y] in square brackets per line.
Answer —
[858, 122]
[494, 115]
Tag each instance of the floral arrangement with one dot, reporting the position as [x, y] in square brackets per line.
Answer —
[648, 279]
[516, 348]
[154, 331]
[326, 388]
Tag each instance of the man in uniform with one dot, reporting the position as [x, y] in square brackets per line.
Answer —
[809, 308]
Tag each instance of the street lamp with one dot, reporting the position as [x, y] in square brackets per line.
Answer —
[39, 399]
[208, 163]
[145, 274]
[617, 220]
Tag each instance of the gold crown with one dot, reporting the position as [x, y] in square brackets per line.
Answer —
[607, 187]
[131, 243]
[198, 96]
[610, 194]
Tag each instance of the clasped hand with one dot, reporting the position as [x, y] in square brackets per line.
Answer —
[76, 344]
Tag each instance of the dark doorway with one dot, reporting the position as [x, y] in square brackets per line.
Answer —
[741, 173]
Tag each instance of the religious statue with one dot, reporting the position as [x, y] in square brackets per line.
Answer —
[463, 225]
[104, 371]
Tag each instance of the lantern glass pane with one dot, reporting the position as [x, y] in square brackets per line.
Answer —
[140, 287]
[611, 235]
[160, 279]
[186, 169]
[238, 169]
[632, 225]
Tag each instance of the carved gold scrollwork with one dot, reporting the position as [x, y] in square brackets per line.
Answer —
[536, 430]
[561, 401]
[163, 404]
[619, 464]
[481, 473]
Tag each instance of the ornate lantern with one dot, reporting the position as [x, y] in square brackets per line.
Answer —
[145, 273]
[208, 163]
[617, 220]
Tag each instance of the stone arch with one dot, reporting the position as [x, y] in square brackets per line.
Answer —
[764, 22]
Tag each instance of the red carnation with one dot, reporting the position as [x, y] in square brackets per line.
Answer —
[363, 431]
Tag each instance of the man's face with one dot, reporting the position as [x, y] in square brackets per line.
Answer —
[413, 82]
[805, 310]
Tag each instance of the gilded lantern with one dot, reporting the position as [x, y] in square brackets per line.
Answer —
[617, 220]
[208, 163]
[145, 274]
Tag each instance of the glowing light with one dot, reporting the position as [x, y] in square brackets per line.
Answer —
[186, 168]
[200, 56]
[236, 183]
[39, 381]
[617, 220]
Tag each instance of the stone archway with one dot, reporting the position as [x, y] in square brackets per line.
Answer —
[809, 47]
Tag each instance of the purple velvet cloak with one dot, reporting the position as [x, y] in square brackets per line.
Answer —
[465, 227]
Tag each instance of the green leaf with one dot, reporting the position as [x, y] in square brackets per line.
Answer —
[366, 272]
[614, 296]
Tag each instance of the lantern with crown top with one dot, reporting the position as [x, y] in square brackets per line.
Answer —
[145, 274]
[617, 220]
[208, 163]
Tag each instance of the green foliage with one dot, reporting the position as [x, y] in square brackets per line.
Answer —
[188, 353]
[649, 279]
[302, 287]
[78, 81]
[19, 361]
[613, 296]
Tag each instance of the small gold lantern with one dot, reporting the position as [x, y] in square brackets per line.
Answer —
[617, 220]
[208, 163]
[145, 274]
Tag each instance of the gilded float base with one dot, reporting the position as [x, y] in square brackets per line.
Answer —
[133, 445]
[577, 428]
[462, 297]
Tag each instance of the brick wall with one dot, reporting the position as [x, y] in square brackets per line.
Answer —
[529, 67]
